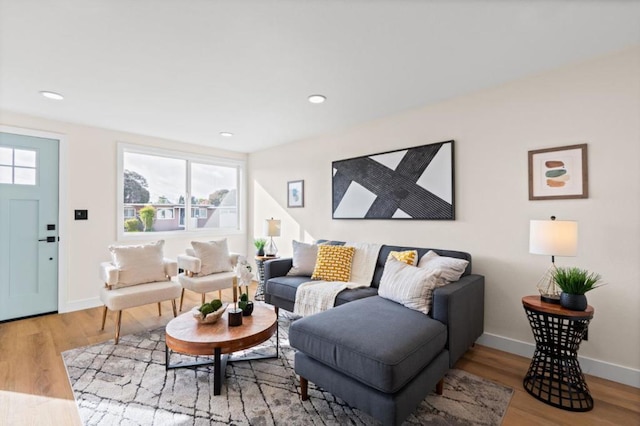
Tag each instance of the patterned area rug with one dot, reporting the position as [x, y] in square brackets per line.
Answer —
[127, 385]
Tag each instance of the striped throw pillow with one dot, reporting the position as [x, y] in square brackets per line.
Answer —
[333, 263]
[410, 286]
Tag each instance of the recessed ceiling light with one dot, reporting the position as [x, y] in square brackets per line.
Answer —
[52, 95]
[226, 134]
[317, 99]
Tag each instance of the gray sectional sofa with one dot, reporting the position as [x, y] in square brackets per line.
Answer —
[376, 354]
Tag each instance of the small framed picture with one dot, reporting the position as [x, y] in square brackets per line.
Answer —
[558, 173]
[295, 193]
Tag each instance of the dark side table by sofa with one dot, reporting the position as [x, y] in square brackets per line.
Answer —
[555, 376]
[260, 264]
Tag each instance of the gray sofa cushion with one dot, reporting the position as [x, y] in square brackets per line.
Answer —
[354, 294]
[285, 287]
[396, 343]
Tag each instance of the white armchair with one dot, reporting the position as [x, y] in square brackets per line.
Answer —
[193, 280]
[137, 275]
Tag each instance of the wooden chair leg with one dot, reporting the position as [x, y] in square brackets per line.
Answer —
[440, 386]
[304, 386]
[159, 310]
[118, 320]
[220, 294]
[181, 299]
[173, 305]
[104, 317]
[203, 295]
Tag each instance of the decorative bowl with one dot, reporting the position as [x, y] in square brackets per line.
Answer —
[210, 318]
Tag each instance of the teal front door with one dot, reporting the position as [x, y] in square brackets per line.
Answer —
[28, 225]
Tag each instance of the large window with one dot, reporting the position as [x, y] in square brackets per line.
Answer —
[158, 187]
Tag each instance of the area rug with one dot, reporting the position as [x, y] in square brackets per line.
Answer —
[127, 384]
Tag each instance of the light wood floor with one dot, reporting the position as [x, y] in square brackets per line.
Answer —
[34, 388]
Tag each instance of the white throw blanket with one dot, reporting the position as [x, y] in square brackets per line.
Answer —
[317, 296]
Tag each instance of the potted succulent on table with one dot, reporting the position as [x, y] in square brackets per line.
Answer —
[574, 283]
[246, 305]
[260, 243]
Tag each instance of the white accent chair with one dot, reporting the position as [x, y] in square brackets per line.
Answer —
[118, 298]
[191, 280]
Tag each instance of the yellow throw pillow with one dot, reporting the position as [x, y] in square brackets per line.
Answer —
[410, 257]
[333, 263]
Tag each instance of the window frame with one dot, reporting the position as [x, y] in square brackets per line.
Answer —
[189, 158]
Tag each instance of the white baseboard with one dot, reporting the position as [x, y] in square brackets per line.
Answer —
[78, 305]
[594, 367]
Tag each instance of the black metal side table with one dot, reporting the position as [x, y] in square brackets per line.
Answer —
[555, 376]
[260, 264]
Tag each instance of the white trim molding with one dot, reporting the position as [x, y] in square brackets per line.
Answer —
[595, 367]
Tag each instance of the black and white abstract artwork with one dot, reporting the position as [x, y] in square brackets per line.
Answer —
[412, 183]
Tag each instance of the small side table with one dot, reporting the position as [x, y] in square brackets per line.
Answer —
[555, 376]
[260, 264]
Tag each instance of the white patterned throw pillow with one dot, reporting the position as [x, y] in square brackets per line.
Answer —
[138, 264]
[408, 285]
[214, 256]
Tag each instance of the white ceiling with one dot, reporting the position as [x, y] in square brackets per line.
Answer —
[189, 69]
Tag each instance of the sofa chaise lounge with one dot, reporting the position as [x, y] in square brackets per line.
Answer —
[376, 354]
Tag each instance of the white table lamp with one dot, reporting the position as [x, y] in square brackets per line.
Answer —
[552, 238]
[271, 229]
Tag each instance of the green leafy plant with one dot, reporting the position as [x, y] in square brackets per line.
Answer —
[244, 300]
[260, 243]
[575, 280]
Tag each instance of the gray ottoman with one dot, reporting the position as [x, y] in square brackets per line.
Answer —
[374, 354]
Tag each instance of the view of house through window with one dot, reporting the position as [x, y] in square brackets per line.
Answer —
[158, 198]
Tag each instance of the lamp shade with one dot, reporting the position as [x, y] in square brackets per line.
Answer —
[553, 237]
[272, 227]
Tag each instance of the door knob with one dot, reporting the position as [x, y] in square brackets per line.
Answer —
[48, 239]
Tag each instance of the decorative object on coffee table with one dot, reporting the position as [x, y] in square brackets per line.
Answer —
[574, 283]
[555, 376]
[245, 304]
[209, 313]
[558, 173]
[235, 313]
[553, 238]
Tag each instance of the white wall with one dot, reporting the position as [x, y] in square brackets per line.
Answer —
[596, 102]
[89, 162]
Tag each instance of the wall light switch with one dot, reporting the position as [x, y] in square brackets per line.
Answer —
[82, 214]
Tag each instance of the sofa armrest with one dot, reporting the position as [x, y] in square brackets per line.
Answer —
[108, 274]
[277, 268]
[170, 267]
[189, 263]
[460, 306]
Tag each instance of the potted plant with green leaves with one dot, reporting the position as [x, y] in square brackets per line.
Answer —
[246, 305]
[574, 283]
[260, 243]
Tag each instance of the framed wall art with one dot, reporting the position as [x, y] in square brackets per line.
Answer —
[295, 193]
[558, 173]
[413, 183]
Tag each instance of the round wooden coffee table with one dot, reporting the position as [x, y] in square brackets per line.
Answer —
[184, 334]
